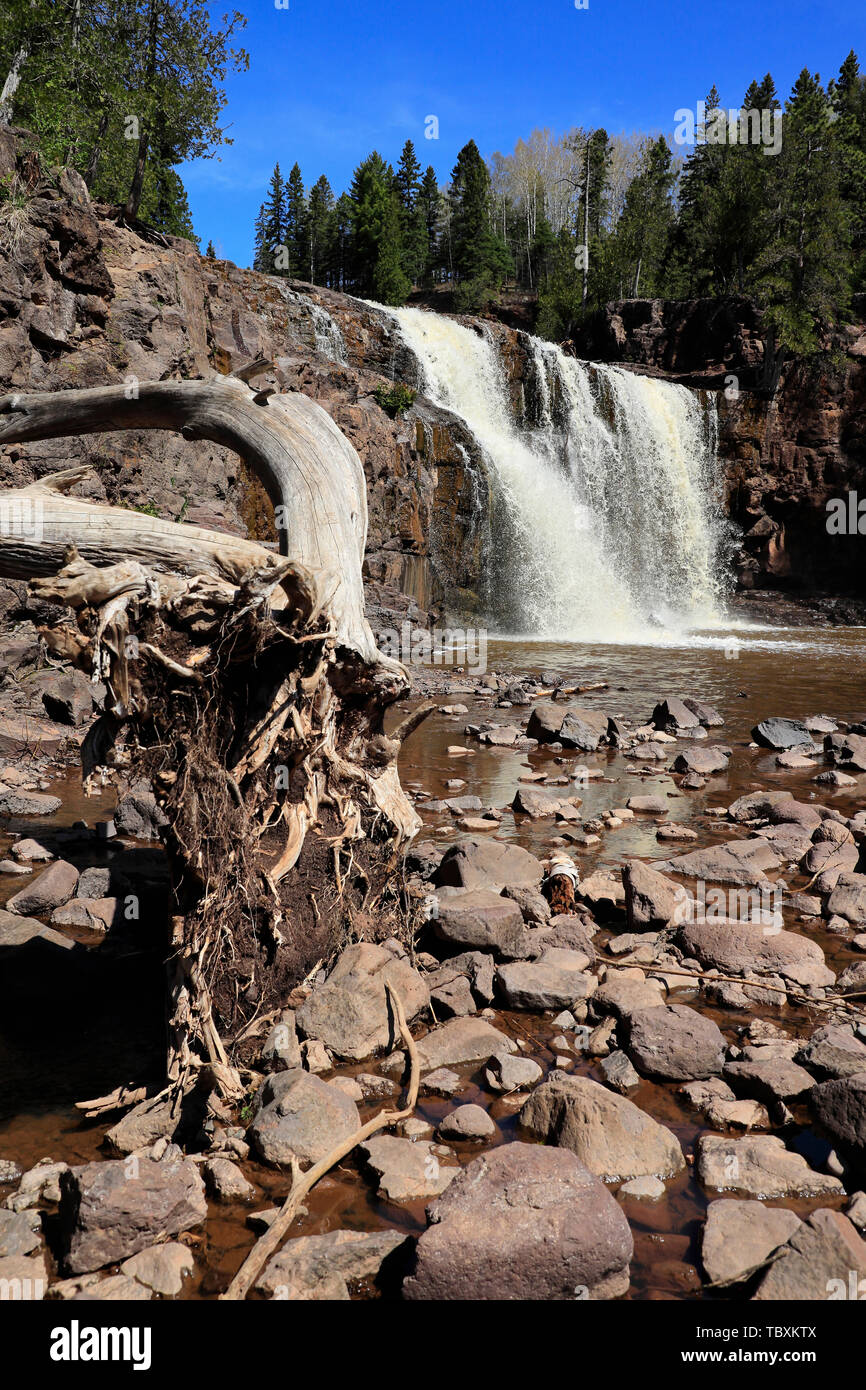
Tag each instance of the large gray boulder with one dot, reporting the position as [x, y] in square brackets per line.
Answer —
[315, 1268]
[840, 1107]
[523, 1223]
[824, 1259]
[675, 1044]
[610, 1135]
[781, 733]
[740, 1235]
[739, 862]
[476, 862]
[54, 886]
[652, 901]
[301, 1117]
[833, 1051]
[351, 1013]
[555, 981]
[759, 1166]
[109, 1211]
[481, 919]
[735, 949]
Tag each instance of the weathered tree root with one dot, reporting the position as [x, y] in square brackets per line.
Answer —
[245, 686]
[302, 1183]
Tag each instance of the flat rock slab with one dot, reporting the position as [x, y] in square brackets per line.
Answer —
[675, 1043]
[705, 761]
[739, 1236]
[109, 1211]
[832, 1052]
[743, 862]
[16, 802]
[301, 1117]
[825, 1258]
[760, 1166]
[840, 1107]
[322, 1267]
[351, 1012]
[781, 733]
[162, 1269]
[524, 1222]
[407, 1169]
[777, 1078]
[611, 1136]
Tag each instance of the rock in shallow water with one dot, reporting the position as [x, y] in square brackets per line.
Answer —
[523, 1223]
[759, 1166]
[301, 1117]
[739, 1236]
[675, 1043]
[351, 1013]
[109, 1211]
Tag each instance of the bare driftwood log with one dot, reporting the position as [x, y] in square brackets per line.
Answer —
[246, 686]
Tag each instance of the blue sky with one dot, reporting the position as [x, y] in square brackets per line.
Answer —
[331, 80]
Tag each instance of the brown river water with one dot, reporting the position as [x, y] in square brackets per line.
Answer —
[59, 1045]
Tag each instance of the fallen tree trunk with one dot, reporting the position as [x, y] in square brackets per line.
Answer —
[246, 687]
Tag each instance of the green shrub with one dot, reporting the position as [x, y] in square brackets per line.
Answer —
[395, 399]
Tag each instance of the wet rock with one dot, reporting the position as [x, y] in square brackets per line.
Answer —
[96, 914]
[8, 866]
[781, 733]
[739, 862]
[583, 729]
[138, 1128]
[300, 1117]
[109, 1211]
[506, 1074]
[840, 1107]
[523, 1223]
[651, 900]
[775, 1079]
[474, 863]
[850, 751]
[676, 832]
[554, 981]
[406, 1169]
[705, 761]
[376, 1087]
[162, 1268]
[825, 1258]
[734, 949]
[610, 1135]
[833, 1051]
[468, 1122]
[442, 1082]
[709, 717]
[602, 891]
[673, 715]
[481, 918]
[739, 1236]
[648, 805]
[351, 1013]
[226, 1182]
[755, 805]
[322, 1267]
[760, 1166]
[32, 852]
[15, 802]
[835, 779]
[675, 1043]
[619, 1073]
[534, 803]
[54, 886]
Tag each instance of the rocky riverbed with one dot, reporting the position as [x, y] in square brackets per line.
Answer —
[657, 1092]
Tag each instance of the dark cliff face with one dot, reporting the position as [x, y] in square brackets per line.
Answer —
[786, 452]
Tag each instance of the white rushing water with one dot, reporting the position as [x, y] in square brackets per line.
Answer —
[606, 521]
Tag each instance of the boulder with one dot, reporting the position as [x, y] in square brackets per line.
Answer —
[300, 1117]
[709, 717]
[760, 1166]
[675, 1044]
[16, 802]
[482, 919]
[651, 900]
[535, 803]
[351, 1012]
[840, 1107]
[69, 697]
[610, 1135]
[755, 805]
[848, 898]
[469, 1123]
[226, 1182]
[775, 1079]
[506, 1074]
[109, 1211]
[480, 863]
[54, 886]
[738, 1236]
[314, 1268]
[781, 733]
[406, 1169]
[739, 862]
[622, 994]
[673, 715]
[583, 729]
[705, 761]
[545, 722]
[523, 1223]
[824, 1259]
[833, 1051]
[734, 949]
[555, 981]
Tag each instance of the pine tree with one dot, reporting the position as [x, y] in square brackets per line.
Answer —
[320, 231]
[848, 96]
[296, 225]
[481, 260]
[645, 226]
[412, 221]
[803, 275]
[376, 229]
[273, 254]
[210, 251]
[428, 208]
[391, 284]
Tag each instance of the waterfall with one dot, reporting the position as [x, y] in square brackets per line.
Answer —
[606, 519]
